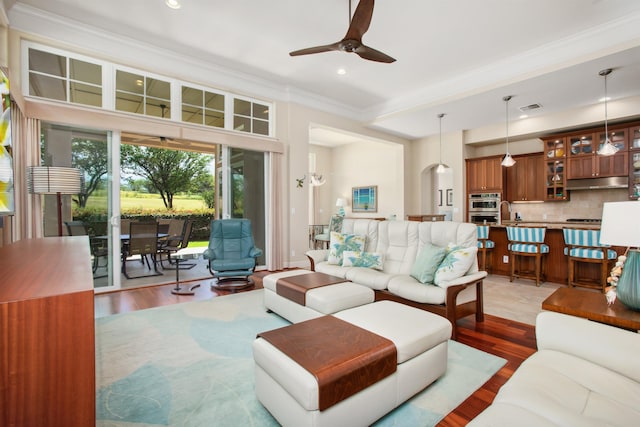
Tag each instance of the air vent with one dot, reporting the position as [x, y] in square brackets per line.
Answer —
[530, 107]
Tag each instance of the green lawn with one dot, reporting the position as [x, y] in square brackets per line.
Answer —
[150, 202]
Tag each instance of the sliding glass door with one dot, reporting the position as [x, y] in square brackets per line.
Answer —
[87, 212]
[244, 192]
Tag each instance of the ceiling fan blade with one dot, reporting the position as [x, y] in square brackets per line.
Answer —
[371, 54]
[316, 49]
[361, 20]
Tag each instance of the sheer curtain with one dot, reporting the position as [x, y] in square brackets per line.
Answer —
[274, 224]
[27, 222]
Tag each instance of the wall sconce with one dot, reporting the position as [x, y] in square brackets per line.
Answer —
[316, 180]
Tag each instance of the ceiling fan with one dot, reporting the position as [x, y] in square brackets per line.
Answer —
[352, 41]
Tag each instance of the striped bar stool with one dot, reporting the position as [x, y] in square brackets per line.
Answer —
[484, 245]
[527, 242]
[584, 246]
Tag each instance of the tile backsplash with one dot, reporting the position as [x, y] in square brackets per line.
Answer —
[582, 204]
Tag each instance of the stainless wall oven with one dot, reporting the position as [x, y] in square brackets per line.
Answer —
[484, 208]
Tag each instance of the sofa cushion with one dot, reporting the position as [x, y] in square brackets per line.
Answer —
[456, 264]
[572, 391]
[425, 266]
[398, 241]
[362, 259]
[332, 269]
[368, 277]
[343, 242]
[407, 287]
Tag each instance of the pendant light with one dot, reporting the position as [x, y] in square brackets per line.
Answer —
[607, 149]
[441, 167]
[508, 160]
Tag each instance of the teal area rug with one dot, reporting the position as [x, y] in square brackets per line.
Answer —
[191, 365]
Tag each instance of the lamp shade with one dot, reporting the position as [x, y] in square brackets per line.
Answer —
[53, 180]
[620, 224]
[341, 202]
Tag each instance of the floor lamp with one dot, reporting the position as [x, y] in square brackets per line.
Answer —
[54, 180]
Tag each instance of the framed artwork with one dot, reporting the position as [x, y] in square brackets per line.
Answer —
[365, 199]
[440, 198]
[449, 196]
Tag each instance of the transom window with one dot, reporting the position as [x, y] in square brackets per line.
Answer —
[140, 94]
[202, 107]
[249, 116]
[66, 79]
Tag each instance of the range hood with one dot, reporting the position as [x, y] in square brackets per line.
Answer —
[598, 183]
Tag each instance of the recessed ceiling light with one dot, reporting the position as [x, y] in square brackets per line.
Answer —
[608, 98]
[173, 4]
[341, 71]
[524, 116]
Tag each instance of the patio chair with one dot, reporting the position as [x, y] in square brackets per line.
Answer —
[231, 253]
[143, 241]
[335, 224]
[98, 247]
[175, 243]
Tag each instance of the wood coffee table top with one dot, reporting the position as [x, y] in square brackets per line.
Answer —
[592, 306]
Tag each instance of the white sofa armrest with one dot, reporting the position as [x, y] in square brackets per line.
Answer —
[317, 255]
[613, 348]
[467, 278]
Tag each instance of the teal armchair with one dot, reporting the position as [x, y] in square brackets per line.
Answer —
[231, 253]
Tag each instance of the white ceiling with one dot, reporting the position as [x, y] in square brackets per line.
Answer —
[459, 57]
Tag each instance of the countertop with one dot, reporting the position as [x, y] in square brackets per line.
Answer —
[550, 224]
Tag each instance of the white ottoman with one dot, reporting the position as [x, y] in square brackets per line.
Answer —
[319, 301]
[290, 393]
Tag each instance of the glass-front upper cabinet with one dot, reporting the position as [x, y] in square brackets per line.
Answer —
[580, 144]
[634, 162]
[555, 180]
[617, 137]
[634, 138]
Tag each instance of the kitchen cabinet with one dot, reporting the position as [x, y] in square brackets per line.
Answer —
[484, 174]
[583, 160]
[554, 176]
[634, 163]
[525, 179]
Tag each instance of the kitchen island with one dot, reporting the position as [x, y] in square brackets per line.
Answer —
[555, 262]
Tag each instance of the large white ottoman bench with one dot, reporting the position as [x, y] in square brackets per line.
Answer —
[327, 299]
[292, 394]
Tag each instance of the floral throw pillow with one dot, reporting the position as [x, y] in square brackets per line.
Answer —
[339, 243]
[455, 264]
[362, 259]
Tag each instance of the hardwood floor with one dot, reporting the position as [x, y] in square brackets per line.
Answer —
[510, 340]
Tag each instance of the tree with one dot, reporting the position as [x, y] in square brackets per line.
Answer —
[90, 156]
[169, 171]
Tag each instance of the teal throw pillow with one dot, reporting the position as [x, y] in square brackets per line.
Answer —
[427, 262]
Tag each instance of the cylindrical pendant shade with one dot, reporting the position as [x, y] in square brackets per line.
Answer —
[52, 180]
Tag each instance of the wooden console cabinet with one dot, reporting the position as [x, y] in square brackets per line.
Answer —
[47, 341]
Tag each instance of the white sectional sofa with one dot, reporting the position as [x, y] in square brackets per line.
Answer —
[583, 374]
[400, 242]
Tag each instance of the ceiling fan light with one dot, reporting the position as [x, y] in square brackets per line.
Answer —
[508, 161]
